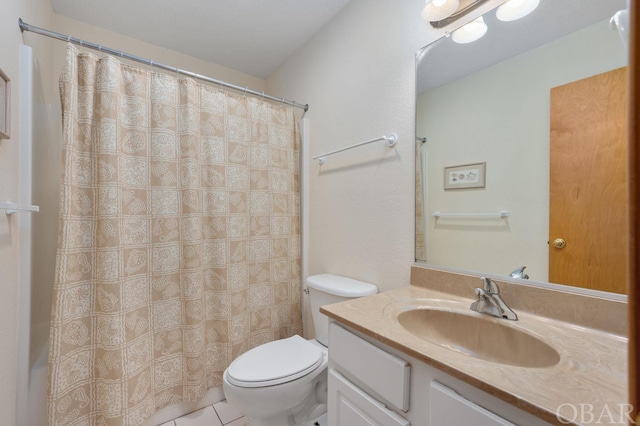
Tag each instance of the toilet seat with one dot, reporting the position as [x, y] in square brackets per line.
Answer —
[274, 363]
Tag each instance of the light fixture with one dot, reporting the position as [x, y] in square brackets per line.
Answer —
[436, 10]
[470, 32]
[516, 9]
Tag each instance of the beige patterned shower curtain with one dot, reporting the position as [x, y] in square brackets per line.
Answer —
[179, 239]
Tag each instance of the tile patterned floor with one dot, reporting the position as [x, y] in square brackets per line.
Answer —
[219, 414]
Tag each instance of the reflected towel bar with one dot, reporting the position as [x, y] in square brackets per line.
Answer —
[11, 208]
[499, 215]
[391, 141]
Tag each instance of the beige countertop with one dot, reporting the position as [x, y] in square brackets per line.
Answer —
[592, 367]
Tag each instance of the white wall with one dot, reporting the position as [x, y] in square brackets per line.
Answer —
[358, 76]
[501, 115]
[11, 306]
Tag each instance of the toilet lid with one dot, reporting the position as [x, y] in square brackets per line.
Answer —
[274, 363]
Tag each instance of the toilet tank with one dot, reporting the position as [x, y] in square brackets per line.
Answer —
[325, 289]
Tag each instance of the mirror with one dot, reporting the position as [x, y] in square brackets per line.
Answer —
[485, 111]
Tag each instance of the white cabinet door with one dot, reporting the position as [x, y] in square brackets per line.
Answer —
[384, 376]
[450, 409]
[350, 406]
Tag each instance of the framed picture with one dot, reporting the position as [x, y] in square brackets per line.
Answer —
[5, 105]
[465, 176]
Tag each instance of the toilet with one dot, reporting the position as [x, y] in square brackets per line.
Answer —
[284, 382]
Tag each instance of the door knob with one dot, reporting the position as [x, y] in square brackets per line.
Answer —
[559, 243]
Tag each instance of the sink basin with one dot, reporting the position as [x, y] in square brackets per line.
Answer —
[482, 337]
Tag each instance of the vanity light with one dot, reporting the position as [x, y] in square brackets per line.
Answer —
[516, 9]
[436, 10]
[470, 32]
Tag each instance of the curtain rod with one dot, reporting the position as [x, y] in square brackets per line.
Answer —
[27, 27]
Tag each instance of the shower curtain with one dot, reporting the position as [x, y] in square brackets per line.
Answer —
[179, 239]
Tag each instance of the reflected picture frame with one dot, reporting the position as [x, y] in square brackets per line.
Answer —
[465, 176]
[5, 105]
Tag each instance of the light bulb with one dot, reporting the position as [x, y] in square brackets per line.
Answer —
[437, 10]
[516, 9]
[470, 32]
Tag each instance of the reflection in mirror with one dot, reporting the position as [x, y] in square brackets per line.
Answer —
[542, 103]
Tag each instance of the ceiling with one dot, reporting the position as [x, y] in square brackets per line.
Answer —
[256, 36]
[446, 61]
[252, 36]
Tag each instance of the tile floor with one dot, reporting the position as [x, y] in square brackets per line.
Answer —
[218, 414]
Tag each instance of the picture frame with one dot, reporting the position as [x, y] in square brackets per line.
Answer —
[465, 176]
[5, 105]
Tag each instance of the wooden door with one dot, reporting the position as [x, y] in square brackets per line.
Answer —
[589, 183]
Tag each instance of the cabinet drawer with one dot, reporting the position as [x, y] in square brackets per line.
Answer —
[350, 406]
[448, 408]
[385, 376]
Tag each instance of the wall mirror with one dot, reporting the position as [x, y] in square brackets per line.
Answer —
[537, 103]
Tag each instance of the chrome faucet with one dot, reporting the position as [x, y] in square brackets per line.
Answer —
[519, 273]
[489, 301]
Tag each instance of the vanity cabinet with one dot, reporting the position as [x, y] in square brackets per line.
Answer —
[351, 406]
[371, 383]
[366, 383]
[447, 407]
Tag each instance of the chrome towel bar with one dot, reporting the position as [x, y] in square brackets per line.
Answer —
[390, 140]
[11, 208]
[499, 215]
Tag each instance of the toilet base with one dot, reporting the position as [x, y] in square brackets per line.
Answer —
[320, 421]
[279, 421]
[308, 413]
[275, 406]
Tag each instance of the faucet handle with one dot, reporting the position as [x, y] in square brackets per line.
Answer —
[490, 286]
[519, 273]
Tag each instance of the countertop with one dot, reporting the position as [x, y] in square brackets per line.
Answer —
[592, 367]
